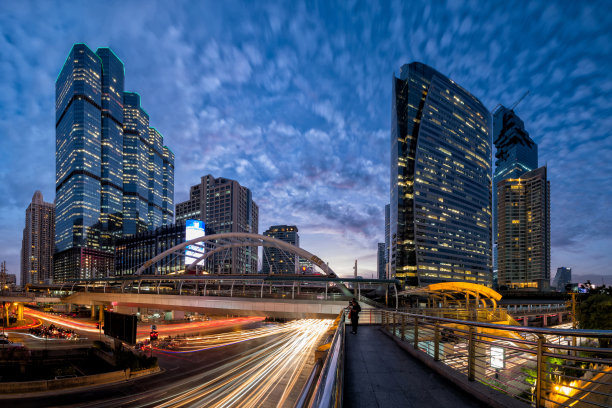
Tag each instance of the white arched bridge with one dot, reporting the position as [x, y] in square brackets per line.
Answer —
[202, 248]
[198, 288]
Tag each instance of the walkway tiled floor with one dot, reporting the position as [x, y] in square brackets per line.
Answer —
[380, 374]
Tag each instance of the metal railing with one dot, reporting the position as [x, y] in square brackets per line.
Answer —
[327, 392]
[544, 367]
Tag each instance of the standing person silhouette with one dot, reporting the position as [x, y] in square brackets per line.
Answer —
[354, 314]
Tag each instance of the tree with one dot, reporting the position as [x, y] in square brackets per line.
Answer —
[595, 313]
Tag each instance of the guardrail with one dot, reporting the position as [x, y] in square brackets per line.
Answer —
[328, 389]
[544, 367]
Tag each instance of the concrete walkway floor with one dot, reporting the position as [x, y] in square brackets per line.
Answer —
[380, 374]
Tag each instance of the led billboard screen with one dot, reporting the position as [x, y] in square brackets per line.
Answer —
[193, 229]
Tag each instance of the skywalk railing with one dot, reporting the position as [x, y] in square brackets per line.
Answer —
[324, 388]
[544, 367]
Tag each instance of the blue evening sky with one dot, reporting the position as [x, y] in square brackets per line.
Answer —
[293, 100]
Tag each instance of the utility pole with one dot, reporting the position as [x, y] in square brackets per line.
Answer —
[355, 269]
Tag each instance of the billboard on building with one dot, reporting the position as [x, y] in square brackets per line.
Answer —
[193, 229]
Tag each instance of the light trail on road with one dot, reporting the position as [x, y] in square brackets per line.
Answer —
[269, 371]
[201, 343]
[60, 321]
[143, 333]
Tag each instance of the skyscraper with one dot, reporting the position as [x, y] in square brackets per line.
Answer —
[562, 278]
[38, 242]
[224, 206]
[381, 261]
[516, 154]
[523, 216]
[440, 180]
[113, 177]
[276, 261]
[387, 236]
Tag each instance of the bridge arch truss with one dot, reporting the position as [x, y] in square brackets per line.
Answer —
[202, 248]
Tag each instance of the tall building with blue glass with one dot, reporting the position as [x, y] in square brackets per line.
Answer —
[113, 174]
[516, 154]
[521, 256]
[440, 181]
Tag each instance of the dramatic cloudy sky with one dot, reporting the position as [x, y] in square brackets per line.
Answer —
[293, 101]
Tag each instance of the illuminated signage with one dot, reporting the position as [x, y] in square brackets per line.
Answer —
[498, 357]
[193, 229]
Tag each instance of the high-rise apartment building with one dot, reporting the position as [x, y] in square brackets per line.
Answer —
[38, 242]
[277, 261]
[440, 181]
[523, 217]
[224, 206]
[562, 278]
[113, 176]
[516, 154]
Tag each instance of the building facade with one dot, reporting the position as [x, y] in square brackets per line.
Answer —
[516, 154]
[387, 238]
[38, 242]
[523, 218]
[277, 261]
[562, 278]
[440, 215]
[132, 251]
[113, 176]
[224, 206]
[381, 261]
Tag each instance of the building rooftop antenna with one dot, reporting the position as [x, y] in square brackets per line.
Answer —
[519, 100]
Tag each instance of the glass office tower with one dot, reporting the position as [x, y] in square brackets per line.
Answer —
[516, 154]
[78, 112]
[111, 206]
[440, 181]
[113, 174]
[136, 175]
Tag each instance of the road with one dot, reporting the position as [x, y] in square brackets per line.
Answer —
[252, 366]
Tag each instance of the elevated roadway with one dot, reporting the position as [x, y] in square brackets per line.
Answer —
[280, 308]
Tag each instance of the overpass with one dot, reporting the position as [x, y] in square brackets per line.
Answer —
[288, 308]
[288, 297]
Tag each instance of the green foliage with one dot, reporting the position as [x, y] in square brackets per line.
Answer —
[531, 375]
[595, 313]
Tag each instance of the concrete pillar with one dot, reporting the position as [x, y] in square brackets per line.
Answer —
[101, 314]
[526, 321]
[560, 318]
[544, 320]
[178, 314]
[20, 312]
[93, 312]
[69, 307]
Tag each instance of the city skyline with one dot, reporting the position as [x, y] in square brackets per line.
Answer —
[295, 104]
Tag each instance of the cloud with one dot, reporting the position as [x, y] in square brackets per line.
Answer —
[294, 101]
